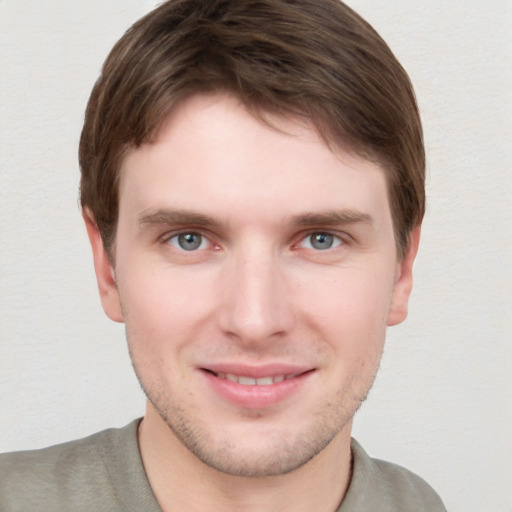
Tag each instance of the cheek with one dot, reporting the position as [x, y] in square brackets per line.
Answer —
[349, 312]
[348, 299]
[164, 307]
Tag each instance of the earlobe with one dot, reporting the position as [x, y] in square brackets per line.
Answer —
[403, 282]
[105, 275]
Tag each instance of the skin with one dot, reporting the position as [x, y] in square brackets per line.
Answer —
[257, 291]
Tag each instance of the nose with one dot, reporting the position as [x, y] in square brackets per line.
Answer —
[256, 300]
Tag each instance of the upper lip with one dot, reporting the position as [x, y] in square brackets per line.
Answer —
[257, 371]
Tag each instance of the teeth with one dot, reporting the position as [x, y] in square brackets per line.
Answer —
[264, 381]
[250, 381]
[246, 381]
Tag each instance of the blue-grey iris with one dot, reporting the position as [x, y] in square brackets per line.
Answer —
[322, 241]
[189, 241]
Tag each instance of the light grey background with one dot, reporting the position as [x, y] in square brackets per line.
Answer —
[442, 403]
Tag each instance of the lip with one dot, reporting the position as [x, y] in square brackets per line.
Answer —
[256, 396]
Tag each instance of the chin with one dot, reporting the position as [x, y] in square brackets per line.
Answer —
[251, 448]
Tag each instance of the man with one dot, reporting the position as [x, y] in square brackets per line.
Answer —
[253, 189]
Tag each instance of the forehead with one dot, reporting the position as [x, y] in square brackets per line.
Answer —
[212, 155]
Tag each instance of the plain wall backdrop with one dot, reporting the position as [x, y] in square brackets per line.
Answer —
[442, 402]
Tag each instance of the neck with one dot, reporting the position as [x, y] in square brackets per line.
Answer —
[180, 481]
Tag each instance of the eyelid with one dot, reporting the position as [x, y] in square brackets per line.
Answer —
[338, 241]
[168, 236]
[342, 236]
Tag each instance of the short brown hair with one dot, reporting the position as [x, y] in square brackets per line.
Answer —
[313, 58]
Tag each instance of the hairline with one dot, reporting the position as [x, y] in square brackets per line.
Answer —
[260, 113]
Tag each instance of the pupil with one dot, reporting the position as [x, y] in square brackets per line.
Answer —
[321, 241]
[189, 241]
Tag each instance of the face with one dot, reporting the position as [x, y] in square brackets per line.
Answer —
[256, 272]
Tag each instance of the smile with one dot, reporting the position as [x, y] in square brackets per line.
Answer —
[260, 381]
[256, 388]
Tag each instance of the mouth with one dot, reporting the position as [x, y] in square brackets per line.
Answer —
[263, 387]
[257, 387]
[254, 381]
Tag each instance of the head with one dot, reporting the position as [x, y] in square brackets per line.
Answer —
[252, 184]
[314, 60]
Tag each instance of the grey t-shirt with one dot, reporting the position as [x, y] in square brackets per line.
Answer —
[104, 472]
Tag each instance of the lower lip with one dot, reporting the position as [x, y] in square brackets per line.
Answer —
[256, 397]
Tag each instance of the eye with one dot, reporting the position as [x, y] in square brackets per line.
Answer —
[189, 241]
[321, 241]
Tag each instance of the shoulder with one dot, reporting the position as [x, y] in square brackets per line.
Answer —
[381, 485]
[78, 475]
[78, 455]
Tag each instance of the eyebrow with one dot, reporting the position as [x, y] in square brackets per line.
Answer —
[331, 218]
[166, 216]
[307, 219]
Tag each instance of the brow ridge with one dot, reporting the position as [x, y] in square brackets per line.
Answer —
[306, 219]
[172, 216]
[331, 218]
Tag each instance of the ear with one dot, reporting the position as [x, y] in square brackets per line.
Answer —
[105, 275]
[403, 281]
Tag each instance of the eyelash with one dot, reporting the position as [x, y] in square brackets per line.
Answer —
[168, 238]
[337, 240]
